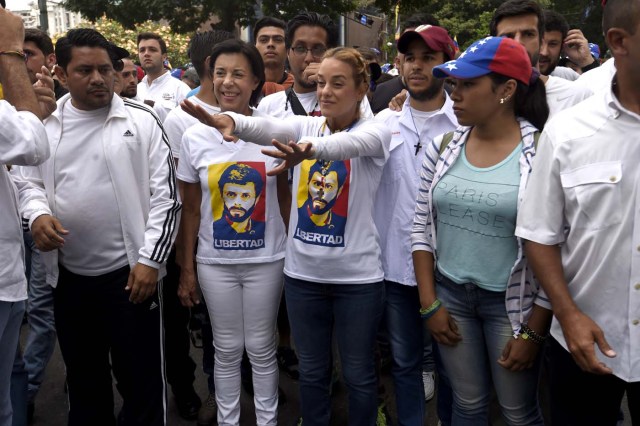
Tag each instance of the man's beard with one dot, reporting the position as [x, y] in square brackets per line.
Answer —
[237, 219]
[130, 92]
[325, 208]
[434, 89]
[306, 84]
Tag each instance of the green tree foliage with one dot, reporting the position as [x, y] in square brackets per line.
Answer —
[585, 15]
[187, 15]
[287, 9]
[468, 20]
[127, 38]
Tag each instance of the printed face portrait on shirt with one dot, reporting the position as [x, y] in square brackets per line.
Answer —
[238, 203]
[323, 195]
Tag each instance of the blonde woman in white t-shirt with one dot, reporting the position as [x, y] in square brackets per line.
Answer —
[238, 214]
[333, 271]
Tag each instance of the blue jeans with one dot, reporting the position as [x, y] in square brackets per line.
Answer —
[355, 311]
[404, 326]
[41, 339]
[19, 390]
[11, 314]
[472, 364]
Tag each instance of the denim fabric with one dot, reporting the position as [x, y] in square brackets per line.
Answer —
[472, 364]
[428, 360]
[41, 340]
[355, 310]
[404, 326]
[11, 314]
[19, 390]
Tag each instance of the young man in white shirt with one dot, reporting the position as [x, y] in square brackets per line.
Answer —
[103, 212]
[427, 113]
[523, 20]
[23, 141]
[158, 88]
[584, 242]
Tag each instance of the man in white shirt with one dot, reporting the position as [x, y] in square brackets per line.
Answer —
[158, 88]
[584, 242]
[309, 35]
[22, 142]
[523, 20]
[103, 212]
[427, 113]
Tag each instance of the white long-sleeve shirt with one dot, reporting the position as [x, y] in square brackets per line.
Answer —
[345, 247]
[23, 141]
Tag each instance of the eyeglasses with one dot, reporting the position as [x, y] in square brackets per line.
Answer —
[316, 51]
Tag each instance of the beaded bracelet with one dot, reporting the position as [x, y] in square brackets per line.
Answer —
[529, 334]
[18, 53]
[427, 313]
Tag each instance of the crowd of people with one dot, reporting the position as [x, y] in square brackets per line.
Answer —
[475, 214]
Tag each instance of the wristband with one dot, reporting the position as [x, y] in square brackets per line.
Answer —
[18, 53]
[427, 313]
[528, 334]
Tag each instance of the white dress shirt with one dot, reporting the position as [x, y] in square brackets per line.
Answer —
[584, 194]
[396, 197]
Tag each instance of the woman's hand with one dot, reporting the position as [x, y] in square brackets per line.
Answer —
[188, 289]
[519, 354]
[443, 328]
[223, 123]
[292, 154]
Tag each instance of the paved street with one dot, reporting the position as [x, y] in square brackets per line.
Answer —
[51, 403]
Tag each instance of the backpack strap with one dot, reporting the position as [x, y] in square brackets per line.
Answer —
[293, 100]
[446, 139]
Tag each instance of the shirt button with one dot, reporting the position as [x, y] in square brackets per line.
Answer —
[635, 322]
[637, 286]
[613, 178]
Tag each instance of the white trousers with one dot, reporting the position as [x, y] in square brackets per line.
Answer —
[243, 306]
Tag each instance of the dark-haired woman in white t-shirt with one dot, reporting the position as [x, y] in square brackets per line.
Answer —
[238, 215]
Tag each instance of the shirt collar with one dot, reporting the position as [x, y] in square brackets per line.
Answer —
[446, 108]
[614, 104]
[158, 80]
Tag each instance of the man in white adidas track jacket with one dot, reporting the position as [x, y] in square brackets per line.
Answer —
[104, 210]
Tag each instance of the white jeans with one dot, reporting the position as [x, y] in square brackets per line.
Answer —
[243, 306]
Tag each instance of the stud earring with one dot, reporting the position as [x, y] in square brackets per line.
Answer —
[502, 100]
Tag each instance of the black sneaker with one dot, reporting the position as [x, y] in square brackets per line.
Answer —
[288, 362]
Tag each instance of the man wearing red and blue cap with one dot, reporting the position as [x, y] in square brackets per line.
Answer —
[426, 113]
